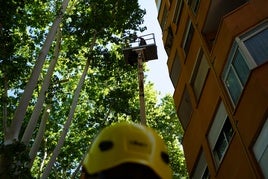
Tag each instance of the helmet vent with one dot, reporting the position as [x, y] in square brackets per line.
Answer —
[165, 157]
[106, 145]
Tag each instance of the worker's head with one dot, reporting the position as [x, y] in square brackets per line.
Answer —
[127, 150]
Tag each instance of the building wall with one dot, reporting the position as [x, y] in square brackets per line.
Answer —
[248, 115]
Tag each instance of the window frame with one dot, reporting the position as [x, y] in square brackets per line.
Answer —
[188, 37]
[194, 5]
[164, 18]
[260, 148]
[178, 11]
[175, 72]
[229, 68]
[248, 35]
[169, 41]
[201, 61]
[240, 46]
[227, 141]
[201, 167]
[185, 115]
[216, 130]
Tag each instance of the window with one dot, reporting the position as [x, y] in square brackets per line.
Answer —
[201, 170]
[223, 140]
[260, 149]
[248, 52]
[188, 35]
[194, 5]
[175, 70]
[256, 44]
[158, 4]
[164, 18]
[199, 74]
[169, 41]
[236, 74]
[185, 109]
[220, 134]
[206, 174]
[178, 11]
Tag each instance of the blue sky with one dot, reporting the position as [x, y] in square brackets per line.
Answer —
[158, 73]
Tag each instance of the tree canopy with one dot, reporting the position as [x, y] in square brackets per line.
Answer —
[63, 79]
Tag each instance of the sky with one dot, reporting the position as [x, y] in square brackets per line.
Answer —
[158, 70]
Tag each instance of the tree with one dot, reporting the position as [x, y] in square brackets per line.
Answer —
[115, 24]
[164, 119]
[91, 87]
[15, 126]
[113, 18]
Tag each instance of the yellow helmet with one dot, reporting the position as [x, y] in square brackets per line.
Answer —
[128, 143]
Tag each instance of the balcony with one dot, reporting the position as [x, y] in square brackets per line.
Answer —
[218, 9]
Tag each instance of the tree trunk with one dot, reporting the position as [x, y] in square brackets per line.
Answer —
[40, 135]
[5, 98]
[44, 159]
[40, 101]
[66, 127]
[14, 130]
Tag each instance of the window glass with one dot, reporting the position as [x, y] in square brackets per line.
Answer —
[178, 10]
[220, 134]
[201, 169]
[248, 51]
[199, 74]
[224, 139]
[220, 147]
[257, 46]
[194, 5]
[158, 4]
[164, 19]
[241, 67]
[228, 130]
[188, 37]
[185, 109]
[175, 70]
[206, 174]
[260, 149]
[217, 125]
[169, 41]
[233, 85]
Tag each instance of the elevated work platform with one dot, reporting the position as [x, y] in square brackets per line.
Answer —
[146, 43]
